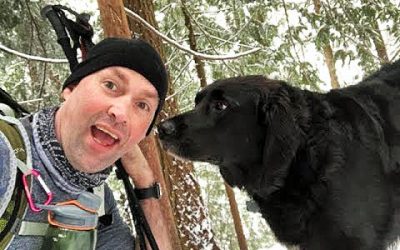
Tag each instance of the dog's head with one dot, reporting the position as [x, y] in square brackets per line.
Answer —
[246, 125]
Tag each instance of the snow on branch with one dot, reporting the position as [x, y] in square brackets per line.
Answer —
[176, 44]
[30, 101]
[137, 17]
[30, 57]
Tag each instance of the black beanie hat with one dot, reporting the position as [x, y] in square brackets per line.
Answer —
[134, 54]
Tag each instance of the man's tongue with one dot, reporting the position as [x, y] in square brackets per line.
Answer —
[102, 137]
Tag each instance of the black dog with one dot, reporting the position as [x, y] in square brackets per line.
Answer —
[323, 168]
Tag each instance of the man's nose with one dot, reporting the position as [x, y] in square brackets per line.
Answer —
[167, 127]
[119, 113]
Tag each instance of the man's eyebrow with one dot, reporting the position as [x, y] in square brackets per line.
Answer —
[119, 74]
[150, 94]
[146, 93]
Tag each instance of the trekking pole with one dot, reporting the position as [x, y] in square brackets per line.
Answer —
[80, 30]
[137, 212]
[8, 100]
[63, 39]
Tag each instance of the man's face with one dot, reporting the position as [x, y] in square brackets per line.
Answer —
[104, 116]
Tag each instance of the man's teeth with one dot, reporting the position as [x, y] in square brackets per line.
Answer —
[108, 132]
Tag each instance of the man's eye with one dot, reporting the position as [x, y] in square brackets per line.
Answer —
[143, 105]
[110, 85]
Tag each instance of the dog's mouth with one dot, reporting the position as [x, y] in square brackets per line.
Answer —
[172, 148]
[177, 149]
[186, 150]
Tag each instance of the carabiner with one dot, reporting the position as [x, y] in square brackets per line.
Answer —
[36, 174]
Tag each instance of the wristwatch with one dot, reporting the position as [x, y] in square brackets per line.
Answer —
[151, 192]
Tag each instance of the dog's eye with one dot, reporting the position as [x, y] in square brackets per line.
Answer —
[220, 105]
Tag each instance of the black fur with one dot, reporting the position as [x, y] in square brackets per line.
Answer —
[323, 168]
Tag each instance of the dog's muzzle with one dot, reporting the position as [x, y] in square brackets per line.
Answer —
[166, 128]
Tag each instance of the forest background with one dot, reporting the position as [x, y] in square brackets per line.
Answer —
[316, 45]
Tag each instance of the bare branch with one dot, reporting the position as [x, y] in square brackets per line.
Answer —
[173, 42]
[30, 57]
[208, 37]
[29, 101]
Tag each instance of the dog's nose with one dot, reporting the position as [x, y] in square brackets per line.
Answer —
[167, 128]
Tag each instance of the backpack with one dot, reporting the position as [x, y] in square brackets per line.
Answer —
[15, 160]
[15, 156]
[14, 204]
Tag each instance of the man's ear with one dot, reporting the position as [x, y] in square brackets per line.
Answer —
[282, 140]
[67, 91]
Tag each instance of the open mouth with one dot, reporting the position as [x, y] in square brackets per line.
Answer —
[103, 136]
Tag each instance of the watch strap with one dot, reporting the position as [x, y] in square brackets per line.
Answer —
[151, 192]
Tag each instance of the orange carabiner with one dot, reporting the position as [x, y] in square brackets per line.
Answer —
[36, 174]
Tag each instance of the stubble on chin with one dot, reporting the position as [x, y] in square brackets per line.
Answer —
[90, 164]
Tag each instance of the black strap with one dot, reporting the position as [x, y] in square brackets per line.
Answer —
[7, 99]
[141, 225]
[150, 192]
[53, 15]
[80, 31]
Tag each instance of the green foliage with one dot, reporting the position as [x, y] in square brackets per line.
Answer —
[11, 17]
[24, 30]
[344, 55]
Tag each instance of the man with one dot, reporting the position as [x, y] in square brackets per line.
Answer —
[111, 102]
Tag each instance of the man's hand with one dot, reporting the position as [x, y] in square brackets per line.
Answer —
[136, 166]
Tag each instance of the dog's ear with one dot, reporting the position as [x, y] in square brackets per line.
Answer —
[282, 140]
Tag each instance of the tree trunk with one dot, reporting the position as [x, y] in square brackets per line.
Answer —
[236, 217]
[193, 46]
[183, 190]
[203, 83]
[328, 53]
[115, 24]
[379, 43]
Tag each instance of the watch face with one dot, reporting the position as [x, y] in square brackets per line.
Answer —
[158, 190]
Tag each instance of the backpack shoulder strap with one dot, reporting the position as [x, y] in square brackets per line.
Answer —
[14, 138]
[17, 204]
[99, 191]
